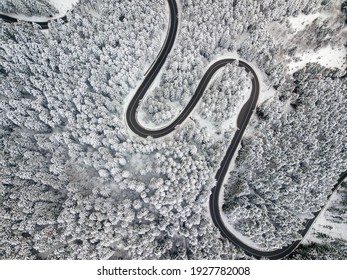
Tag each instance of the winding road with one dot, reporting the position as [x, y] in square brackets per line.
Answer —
[43, 24]
[242, 122]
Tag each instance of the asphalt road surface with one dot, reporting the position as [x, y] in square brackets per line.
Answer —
[43, 24]
[242, 122]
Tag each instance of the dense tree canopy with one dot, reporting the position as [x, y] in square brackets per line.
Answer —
[75, 183]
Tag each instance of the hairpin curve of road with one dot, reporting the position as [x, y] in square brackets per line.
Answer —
[43, 24]
[242, 122]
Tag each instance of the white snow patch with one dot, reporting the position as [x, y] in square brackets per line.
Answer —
[300, 22]
[266, 92]
[287, 108]
[323, 225]
[62, 6]
[333, 230]
[329, 57]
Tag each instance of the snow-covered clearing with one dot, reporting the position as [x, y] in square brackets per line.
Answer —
[334, 230]
[328, 57]
[300, 22]
[324, 225]
[63, 5]
[295, 33]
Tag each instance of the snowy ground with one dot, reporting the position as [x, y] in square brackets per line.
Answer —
[292, 33]
[300, 22]
[329, 57]
[62, 5]
[323, 225]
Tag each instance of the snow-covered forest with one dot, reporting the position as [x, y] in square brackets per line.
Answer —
[328, 238]
[286, 169]
[76, 183]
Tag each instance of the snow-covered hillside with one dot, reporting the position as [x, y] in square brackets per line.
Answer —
[76, 183]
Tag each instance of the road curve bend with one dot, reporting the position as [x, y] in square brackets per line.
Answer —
[43, 24]
[242, 122]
